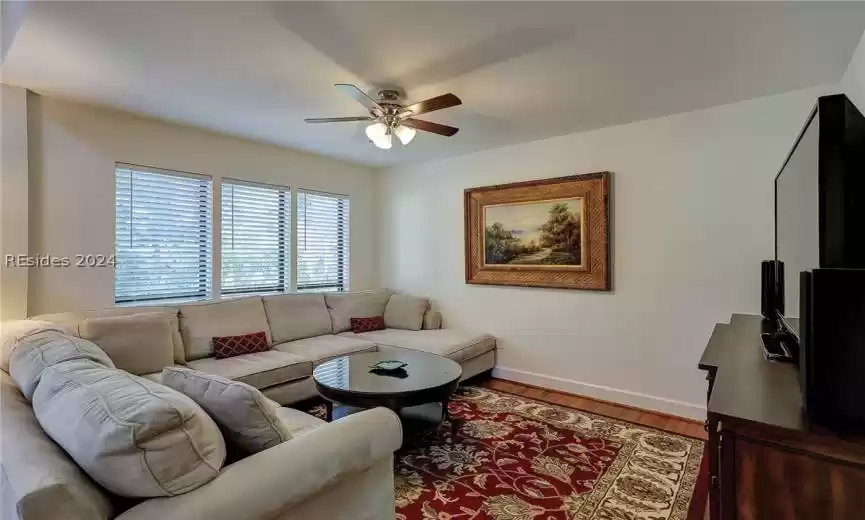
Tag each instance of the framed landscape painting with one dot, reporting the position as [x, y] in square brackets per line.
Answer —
[545, 233]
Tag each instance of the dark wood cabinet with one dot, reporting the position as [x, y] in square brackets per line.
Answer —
[767, 461]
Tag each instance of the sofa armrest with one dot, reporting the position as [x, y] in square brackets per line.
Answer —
[264, 485]
[432, 320]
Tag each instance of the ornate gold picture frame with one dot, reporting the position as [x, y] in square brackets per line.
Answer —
[545, 233]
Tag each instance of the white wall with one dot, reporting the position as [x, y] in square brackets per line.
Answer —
[13, 200]
[853, 83]
[692, 199]
[73, 149]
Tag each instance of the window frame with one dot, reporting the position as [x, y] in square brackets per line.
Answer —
[344, 242]
[206, 226]
[284, 223]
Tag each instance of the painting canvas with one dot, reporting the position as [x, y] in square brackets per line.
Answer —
[541, 233]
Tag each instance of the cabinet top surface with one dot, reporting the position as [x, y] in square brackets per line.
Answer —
[747, 385]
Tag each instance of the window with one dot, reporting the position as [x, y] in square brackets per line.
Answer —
[322, 242]
[162, 235]
[256, 229]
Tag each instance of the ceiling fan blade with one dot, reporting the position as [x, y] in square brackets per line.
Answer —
[359, 96]
[430, 105]
[428, 126]
[336, 119]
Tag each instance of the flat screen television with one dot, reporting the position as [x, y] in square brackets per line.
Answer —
[820, 201]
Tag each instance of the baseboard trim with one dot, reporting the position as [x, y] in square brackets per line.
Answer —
[615, 395]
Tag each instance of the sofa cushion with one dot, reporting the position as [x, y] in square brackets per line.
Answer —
[297, 422]
[292, 392]
[156, 377]
[200, 323]
[76, 318]
[457, 345]
[34, 354]
[245, 416]
[344, 306]
[134, 437]
[45, 479]
[296, 316]
[405, 312]
[322, 348]
[261, 370]
[138, 343]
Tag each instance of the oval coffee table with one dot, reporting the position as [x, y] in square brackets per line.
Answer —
[426, 379]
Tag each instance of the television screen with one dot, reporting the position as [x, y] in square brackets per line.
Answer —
[797, 215]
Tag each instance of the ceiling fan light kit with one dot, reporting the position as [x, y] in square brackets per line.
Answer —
[392, 118]
[405, 134]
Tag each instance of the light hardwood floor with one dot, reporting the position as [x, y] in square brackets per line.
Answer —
[669, 423]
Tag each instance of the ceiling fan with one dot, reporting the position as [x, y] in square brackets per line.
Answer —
[392, 118]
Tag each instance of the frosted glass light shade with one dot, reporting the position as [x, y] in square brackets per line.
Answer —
[379, 135]
[385, 142]
[376, 131]
[405, 134]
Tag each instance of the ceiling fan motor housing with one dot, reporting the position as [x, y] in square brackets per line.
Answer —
[390, 95]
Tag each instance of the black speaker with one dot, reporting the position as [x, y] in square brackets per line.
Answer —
[772, 288]
[832, 347]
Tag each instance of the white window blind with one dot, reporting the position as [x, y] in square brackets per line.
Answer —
[322, 242]
[162, 235]
[256, 232]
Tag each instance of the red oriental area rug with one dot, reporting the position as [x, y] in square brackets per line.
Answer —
[519, 459]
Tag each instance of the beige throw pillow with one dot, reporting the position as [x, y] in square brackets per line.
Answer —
[138, 343]
[13, 332]
[405, 312]
[134, 437]
[34, 354]
[246, 417]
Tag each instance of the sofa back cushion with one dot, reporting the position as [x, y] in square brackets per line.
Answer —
[46, 481]
[405, 312]
[137, 343]
[36, 353]
[135, 437]
[344, 306]
[200, 323]
[296, 316]
[74, 320]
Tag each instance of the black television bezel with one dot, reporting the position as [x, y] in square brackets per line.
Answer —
[779, 272]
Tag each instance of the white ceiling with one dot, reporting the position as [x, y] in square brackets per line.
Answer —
[525, 71]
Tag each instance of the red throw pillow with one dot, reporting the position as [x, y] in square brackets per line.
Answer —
[367, 324]
[230, 346]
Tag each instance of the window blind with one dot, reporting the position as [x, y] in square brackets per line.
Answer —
[256, 232]
[162, 235]
[322, 242]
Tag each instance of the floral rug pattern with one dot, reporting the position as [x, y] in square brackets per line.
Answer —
[519, 459]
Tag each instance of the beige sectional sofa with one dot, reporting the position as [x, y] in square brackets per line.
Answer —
[305, 330]
[340, 470]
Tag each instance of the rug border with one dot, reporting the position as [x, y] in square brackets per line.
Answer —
[541, 400]
[695, 442]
